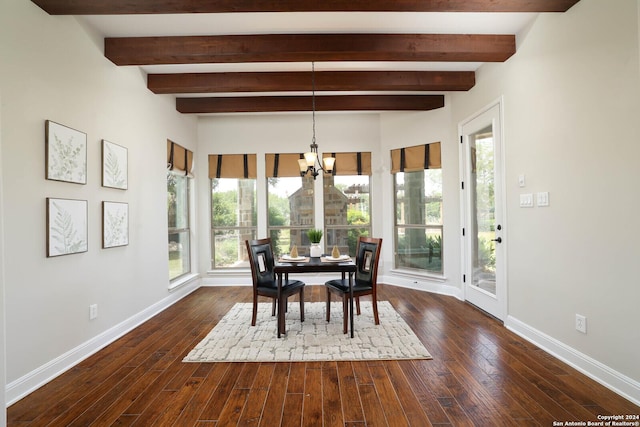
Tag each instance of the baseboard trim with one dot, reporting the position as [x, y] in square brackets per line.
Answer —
[35, 379]
[613, 380]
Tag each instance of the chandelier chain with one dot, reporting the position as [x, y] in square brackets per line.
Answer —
[313, 102]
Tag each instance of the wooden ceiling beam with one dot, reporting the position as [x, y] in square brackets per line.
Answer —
[255, 104]
[302, 81]
[119, 7]
[308, 48]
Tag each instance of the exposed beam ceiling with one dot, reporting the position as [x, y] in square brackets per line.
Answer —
[253, 104]
[120, 7]
[302, 81]
[369, 55]
[308, 48]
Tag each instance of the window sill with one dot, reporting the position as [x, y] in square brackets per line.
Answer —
[229, 272]
[418, 275]
[181, 281]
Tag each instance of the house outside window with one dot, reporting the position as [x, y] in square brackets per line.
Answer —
[290, 204]
[180, 161]
[418, 208]
[233, 208]
[347, 203]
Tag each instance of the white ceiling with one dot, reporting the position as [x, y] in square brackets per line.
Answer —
[309, 22]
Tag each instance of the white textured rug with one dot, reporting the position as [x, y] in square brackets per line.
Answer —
[233, 339]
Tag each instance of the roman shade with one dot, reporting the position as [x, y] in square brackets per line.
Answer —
[240, 166]
[282, 164]
[179, 159]
[415, 158]
[351, 163]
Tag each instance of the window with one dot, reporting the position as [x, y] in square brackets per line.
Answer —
[179, 233]
[233, 220]
[418, 208]
[290, 204]
[347, 205]
[233, 208]
[179, 162]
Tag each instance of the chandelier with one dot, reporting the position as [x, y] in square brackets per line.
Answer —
[308, 164]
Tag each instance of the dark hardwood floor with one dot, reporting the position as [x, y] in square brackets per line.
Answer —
[481, 375]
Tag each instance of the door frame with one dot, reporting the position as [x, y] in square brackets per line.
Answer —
[499, 307]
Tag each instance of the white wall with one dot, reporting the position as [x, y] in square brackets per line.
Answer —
[52, 69]
[3, 366]
[571, 103]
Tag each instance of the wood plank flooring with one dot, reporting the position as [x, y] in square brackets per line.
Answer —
[481, 375]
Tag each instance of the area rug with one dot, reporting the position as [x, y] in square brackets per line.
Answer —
[233, 339]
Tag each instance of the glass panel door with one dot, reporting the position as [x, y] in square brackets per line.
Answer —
[484, 228]
[483, 208]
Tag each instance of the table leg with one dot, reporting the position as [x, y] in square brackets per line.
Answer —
[280, 312]
[351, 302]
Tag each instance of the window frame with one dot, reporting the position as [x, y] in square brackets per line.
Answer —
[182, 230]
[337, 227]
[397, 265]
[213, 228]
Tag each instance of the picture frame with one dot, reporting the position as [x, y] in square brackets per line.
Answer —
[65, 153]
[114, 165]
[115, 224]
[67, 226]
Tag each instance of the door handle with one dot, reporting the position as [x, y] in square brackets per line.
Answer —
[498, 240]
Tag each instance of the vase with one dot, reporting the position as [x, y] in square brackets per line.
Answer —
[315, 251]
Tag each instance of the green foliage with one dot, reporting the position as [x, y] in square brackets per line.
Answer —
[224, 209]
[314, 235]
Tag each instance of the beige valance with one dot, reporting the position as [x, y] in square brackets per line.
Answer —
[179, 159]
[351, 163]
[418, 157]
[240, 166]
[282, 164]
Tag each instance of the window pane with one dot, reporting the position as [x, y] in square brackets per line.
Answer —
[178, 218]
[418, 201]
[179, 262]
[291, 201]
[233, 220]
[290, 207]
[177, 201]
[419, 248]
[230, 250]
[346, 211]
[419, 197]
[233, 202]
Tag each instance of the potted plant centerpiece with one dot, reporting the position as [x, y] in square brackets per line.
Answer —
[315, 235]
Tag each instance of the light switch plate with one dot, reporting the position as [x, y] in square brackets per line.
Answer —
[543, 198]
[521, 180]
[526, 200]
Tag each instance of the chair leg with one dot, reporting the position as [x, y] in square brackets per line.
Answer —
[281, 327]
[255, 312]
[273, 307]
[345, 310]
[328, 304]
[358, 306]
[302, 304]
[374, 302]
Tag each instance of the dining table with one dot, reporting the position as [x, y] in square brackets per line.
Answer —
[323, 264]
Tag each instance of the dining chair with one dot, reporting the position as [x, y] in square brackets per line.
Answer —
[367, 257]
[264, 282]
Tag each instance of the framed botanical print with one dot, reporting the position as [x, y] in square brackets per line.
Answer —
[114, 165]
[115, 224]
[66, 153]
[66, 226]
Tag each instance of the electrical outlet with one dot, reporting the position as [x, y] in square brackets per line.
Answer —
[93, 311]
[581, 323]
